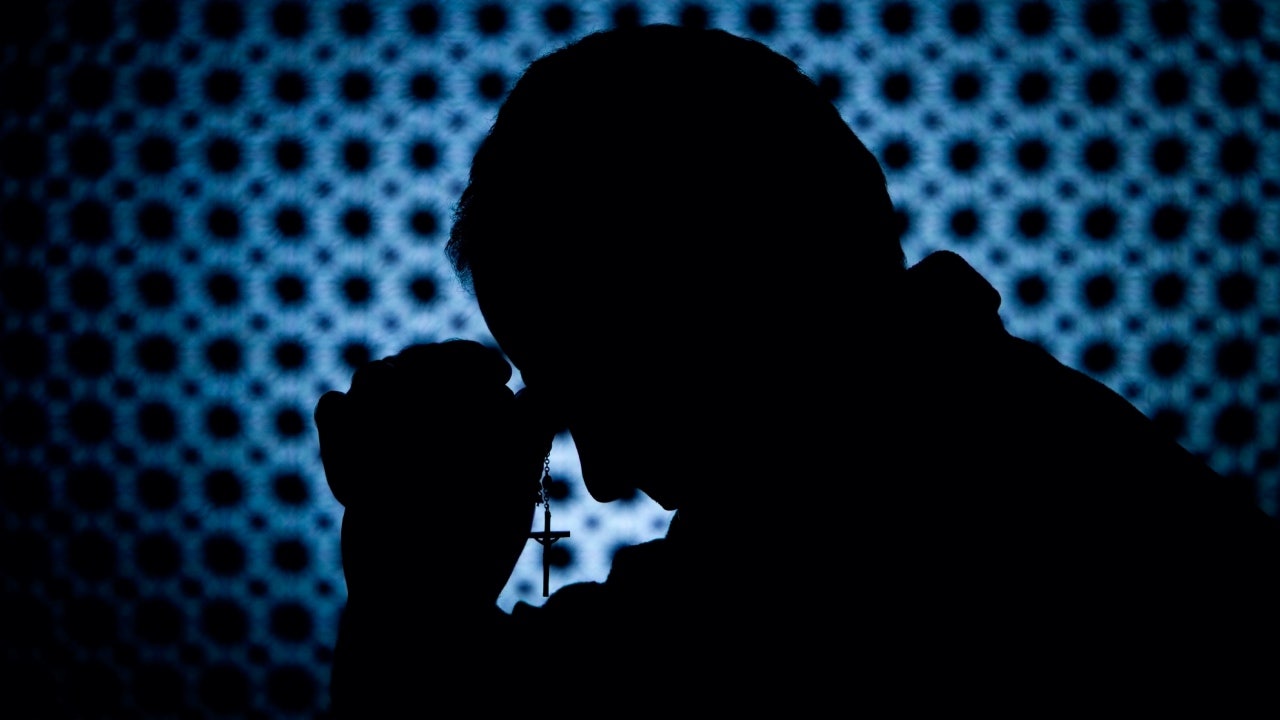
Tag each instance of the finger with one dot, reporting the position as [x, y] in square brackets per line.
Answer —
[327, 408]
[374, 378]
[333, 427]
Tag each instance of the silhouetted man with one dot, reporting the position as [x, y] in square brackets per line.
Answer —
[881, 495]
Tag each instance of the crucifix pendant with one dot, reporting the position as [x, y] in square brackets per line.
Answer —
[546, 537]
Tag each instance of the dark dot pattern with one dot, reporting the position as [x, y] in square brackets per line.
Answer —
[213, 212]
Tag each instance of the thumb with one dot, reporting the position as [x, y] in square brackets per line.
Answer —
[333, 425]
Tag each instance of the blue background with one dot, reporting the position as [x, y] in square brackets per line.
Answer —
[212, 212]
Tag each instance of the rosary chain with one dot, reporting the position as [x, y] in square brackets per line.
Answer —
[546, 478]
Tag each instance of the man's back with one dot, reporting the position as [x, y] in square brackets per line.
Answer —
[998, 515]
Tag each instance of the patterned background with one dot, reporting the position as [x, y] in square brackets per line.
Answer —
[213, 211]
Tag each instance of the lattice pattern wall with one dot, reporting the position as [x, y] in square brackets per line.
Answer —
[213, 211]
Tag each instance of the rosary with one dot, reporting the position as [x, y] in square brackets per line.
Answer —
[547, 536]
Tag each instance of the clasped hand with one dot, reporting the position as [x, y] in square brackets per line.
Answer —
[437, 464]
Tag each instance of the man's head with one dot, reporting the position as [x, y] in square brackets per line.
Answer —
[651, 203]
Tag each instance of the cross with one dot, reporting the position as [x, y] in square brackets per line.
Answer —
[545, 538]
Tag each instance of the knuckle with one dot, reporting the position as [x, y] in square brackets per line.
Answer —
[327, 406]
[372, 377]
[452, 363]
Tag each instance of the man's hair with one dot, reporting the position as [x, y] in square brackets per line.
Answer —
[694, 151]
